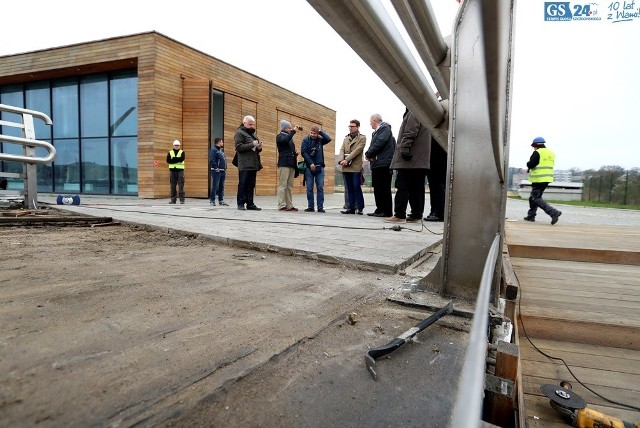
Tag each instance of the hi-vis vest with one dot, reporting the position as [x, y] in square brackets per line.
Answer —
[179, 165]
[543, 173]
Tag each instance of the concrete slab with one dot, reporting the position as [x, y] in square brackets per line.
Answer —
[353, 240]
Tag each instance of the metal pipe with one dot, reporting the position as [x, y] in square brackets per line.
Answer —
[368, 29]
[495, 18]
[419, 21]
[467, 411]
[28, 142]
[20, 110]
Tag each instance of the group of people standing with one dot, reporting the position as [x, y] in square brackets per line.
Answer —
[415, 156]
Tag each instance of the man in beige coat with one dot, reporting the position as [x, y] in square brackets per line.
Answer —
[412, 160]
[351, 161]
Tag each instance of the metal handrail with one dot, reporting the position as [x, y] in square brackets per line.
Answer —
[467, 411]
[29, 139]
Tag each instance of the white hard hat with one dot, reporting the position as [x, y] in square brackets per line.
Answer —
[176, 142]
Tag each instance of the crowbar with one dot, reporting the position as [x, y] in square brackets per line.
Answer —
[372, 355]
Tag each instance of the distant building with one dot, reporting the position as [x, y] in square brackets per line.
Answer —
[117, 105]
[559, 175]
[558, 190]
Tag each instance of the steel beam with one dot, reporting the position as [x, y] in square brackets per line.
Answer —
[367, 27]
[419, 20]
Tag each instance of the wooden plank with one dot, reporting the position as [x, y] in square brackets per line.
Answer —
[593, 377]
[538, 406]
[503, 407]
[588, 332]
[570, 348]
[531, 386]
[576, 254]
[572, 236]
[541, 415]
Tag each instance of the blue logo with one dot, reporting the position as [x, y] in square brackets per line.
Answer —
[557, 11]
[565, 11]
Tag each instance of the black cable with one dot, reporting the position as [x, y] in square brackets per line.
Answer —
[560, 359]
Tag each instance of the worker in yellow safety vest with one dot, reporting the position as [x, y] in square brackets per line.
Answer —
[175, 159]
[540, 169]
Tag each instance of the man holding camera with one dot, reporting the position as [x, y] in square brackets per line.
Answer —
[312, 152]
[287, 165]
[248, 148]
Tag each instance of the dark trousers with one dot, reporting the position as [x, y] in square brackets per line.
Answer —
[217, 185]
[437, 178]
[536, 201]
[176, 179]
[246, 187]
[381, 182]
[355, 198]
[410, 190]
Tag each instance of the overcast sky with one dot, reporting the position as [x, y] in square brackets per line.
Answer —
[575, 82]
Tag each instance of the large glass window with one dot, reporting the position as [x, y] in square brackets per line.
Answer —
[66, 167]
[94, 106]
[124, 104]
[95, 165]
[37, 96]
[124, 161]
[88, 113]
[65, 109]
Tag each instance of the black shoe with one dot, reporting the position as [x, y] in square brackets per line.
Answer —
[373, 214]
[433, 217]
[529, 218]
[309, 210]
[224, 204]
[382, 215]
[241, 207]
[253, 208]
[359, 212]
[348, 212]
[321, 210]
[554, 219]
[172, 202]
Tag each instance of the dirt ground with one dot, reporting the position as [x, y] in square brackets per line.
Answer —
[122, 326]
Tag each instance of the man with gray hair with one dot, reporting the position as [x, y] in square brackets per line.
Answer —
[380, 154]
[248, 148]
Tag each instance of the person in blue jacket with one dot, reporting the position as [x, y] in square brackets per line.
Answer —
[313, 154]
[218, 169]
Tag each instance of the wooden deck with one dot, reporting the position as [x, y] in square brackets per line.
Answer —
[579, 300]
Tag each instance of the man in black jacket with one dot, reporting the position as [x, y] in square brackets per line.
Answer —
[380, 154]
[248, 148]
[287, 165]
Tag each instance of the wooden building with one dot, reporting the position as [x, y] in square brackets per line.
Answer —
[182, 94]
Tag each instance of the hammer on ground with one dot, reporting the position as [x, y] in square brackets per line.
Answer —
[372, 355]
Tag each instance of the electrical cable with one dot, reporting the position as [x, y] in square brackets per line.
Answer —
[563, 361]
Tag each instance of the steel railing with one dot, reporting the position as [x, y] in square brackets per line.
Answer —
[467, 410]
[29, 143]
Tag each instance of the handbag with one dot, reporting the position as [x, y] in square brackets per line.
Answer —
[234, 162]
[302, 165]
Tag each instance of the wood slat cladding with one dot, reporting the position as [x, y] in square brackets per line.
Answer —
[195, 136]
[174, 84]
